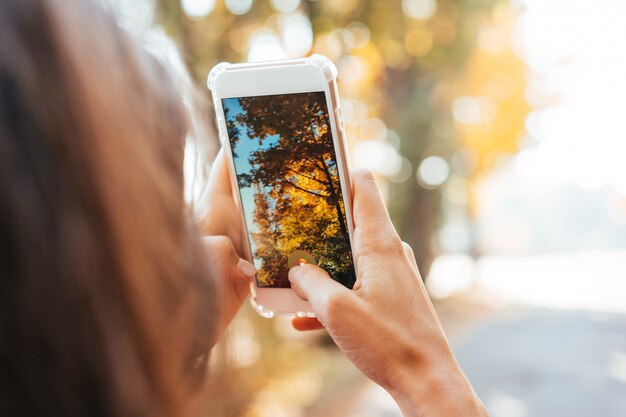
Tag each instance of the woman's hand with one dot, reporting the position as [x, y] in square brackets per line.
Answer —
[386, 325]
[224, 242]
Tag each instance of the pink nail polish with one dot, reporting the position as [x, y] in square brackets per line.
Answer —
[246, 268]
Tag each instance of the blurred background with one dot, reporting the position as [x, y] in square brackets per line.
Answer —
[498, 132]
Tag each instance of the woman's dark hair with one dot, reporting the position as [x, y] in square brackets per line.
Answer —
[106, 308]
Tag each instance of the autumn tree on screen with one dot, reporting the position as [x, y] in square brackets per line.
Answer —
[295, 172]
[267, 239]
[231, 130]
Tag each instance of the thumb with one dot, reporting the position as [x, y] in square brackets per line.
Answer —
[312, 284]
[373, 230]
[219, 179]
[224, 260]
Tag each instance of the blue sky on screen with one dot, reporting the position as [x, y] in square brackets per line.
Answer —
[244, 148]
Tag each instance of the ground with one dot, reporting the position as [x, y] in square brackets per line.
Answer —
[522, 362]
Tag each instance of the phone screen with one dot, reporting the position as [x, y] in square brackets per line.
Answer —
[289, 184]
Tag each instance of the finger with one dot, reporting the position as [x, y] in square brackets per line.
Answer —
[306, 323]
[312, 284]
[219, 180]
[225, 261]
[408, 251]
[373, 227]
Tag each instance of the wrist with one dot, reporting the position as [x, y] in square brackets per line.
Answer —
[434, 388]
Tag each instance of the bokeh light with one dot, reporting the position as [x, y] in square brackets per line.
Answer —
[378, 156]
[404, 172]
[198, 9]
[467, 110]
[297, 35]
[360, 34]
[433, 171]
[239, 7]
[351, 69]
[285, 6]
[265, 43]
[418, 42]
[419, 9]
[451, 274]
[372, 129]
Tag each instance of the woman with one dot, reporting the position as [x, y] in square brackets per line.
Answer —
[109, 299]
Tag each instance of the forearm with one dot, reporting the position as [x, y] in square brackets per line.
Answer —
[435, 389]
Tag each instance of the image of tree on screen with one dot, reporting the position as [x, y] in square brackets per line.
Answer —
[288, 176]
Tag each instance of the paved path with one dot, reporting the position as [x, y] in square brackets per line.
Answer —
[529, 362]
[547, 363]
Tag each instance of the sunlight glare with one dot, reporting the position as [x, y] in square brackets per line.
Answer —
[577, 75]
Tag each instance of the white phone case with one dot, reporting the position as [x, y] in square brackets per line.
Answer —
[271, 301]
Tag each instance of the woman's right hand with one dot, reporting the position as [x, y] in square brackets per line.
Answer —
[387, 325]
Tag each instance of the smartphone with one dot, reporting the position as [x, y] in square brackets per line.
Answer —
[281, 127]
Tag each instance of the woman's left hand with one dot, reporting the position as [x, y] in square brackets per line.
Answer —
[223, 237]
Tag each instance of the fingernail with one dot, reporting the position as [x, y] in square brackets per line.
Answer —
[246, 268]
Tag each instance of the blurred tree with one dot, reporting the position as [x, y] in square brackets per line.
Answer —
[495, 83]
[416, 64]
[405, 60]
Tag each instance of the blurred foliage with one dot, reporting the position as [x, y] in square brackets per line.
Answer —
[442, 77]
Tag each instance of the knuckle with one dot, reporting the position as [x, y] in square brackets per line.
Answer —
[337, 303]
[225, 243]
[222, 245]
[393, 245]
